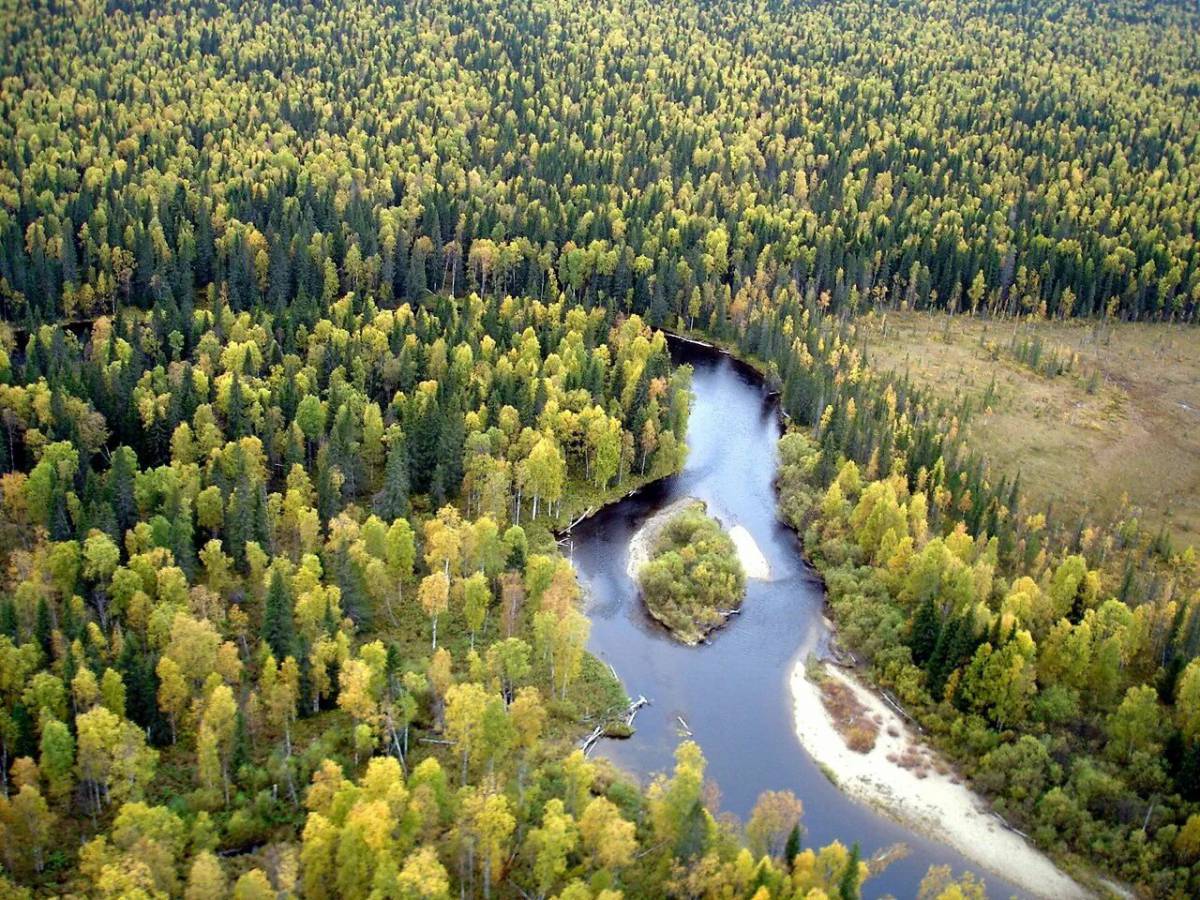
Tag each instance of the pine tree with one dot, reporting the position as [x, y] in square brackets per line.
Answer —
[848, 886]
[793, 846]
[120, 489]
[237, 412]
[940, 664]
[43, 629]
[8, 618]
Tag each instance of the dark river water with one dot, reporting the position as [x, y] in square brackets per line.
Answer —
[733, 693]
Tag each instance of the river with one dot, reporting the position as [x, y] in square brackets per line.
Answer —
[733, 693]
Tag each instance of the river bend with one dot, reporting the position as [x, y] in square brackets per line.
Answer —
[733, 694]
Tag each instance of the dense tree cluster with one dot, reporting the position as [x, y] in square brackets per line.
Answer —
[315, 318]
[693, 578]
[227, 566]
[1055, 660]
[978, 155]
[1067, 692]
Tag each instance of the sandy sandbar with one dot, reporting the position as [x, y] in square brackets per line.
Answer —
[937, 804]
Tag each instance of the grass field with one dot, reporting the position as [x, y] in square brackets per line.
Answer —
[1116, 432]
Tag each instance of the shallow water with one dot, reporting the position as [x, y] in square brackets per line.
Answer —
[733, 694]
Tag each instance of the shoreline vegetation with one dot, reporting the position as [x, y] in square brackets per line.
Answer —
[957, 817]
[899, 774]
[616, 719]
[690, 571]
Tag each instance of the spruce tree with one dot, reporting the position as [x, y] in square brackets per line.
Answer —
[792, 848]
[926, 628]
[237, 414]
[391, 502]
[120, 489]
[43, 629]
[278, 626]
[8, 618]
[848, 886]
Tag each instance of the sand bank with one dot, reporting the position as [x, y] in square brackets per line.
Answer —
[925, 795]
[752, 559]
[754, 563]
[643, 539]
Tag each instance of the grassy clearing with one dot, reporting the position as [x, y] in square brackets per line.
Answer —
[1116, 433]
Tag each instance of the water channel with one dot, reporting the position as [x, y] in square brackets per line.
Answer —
[733, 693]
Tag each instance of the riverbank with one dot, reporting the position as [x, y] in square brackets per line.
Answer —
[643, 539]
[926, 796]
[732, 437]
[754, 564]
[690, 571]
[907, 780]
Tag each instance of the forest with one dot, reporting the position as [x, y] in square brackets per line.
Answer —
[319, 323]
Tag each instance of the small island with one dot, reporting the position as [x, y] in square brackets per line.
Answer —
[688, 570]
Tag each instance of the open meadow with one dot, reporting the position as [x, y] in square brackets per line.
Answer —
[1098, 418]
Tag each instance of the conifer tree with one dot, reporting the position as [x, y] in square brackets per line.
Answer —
[279, 630]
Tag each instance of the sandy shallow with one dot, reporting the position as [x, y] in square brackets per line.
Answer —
[753, 561]
[935, 804]
[643, 539]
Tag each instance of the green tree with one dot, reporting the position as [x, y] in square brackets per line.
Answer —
[550, 844]
[279, 630]
[57, 760]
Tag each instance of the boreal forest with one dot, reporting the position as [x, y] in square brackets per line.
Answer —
[324, 324]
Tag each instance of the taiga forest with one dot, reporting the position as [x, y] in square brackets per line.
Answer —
[344, 346]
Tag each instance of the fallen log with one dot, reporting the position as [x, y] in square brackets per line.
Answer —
[887, 698]
[590, 740]
[634, 707]
[584, 515]
[600, 730]
[1004, 822]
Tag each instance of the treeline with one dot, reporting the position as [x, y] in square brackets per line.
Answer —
[659, 155]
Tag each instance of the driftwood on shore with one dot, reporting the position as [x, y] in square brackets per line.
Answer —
[900, 710]
[688, 340]
[886, 856]
[600, 730]
[1004, 822]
